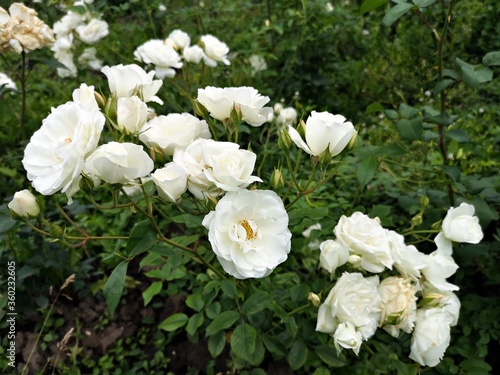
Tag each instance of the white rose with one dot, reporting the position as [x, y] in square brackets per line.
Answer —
[347, 337]
[460, 225]
[68, 23]
[324, 131]
[24, 204]
[119, 163]
[171, 181]
[440, 265]
[287, 116]
[123, 80]
[407, 259]
[131, 114]
[175, 130]
[399, 305]
[333, 255]
[353, 299]
[193, 54]
[55, 156]
[162, 55]
[89, 58]
[249, 233]
[367, 239]
[442, 298]
[221, 101]
[65, 57]
[6, 82]
[227, 166]
[179, 39]
[431, 336]
[85, 95]
[215, 50]
[92, 32]
[257, 63]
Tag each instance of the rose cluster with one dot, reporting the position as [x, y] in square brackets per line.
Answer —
[22, 31]
[389, 284]
[168, 54]
[86, 27]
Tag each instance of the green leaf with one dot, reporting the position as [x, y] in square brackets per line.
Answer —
[299, 292]
[391, 114]
[328, 355]
[152, 291]
[275, 346]
[243, 341]
[8, 172]
[216, 343]
[453, 171]
[194, 323]
[442, 85]
[458, 135]
[174, 322]
[297, 355]
[229, 288]
[374, 107]
[213, 310]
[407, 111]
[52, 63]
[492, 58]
[142, 238]
[442, 118]
[321, 371]
[114, 286]
[452, 73]
[395, 13]
[369, 5]
[423, 3]
[473, 75]
[475, 366]
[195, 301]
[257, 302]
[222, 321]
[366, 170]
[410, 130]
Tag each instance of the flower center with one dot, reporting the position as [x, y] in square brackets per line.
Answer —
[250, 232]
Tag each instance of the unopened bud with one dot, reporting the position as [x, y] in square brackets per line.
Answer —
[314, 299]
[284, 140]
[24, 205]
[277, 179]
[199, 109]
[416, 220]
[100, 99]
[56, 231]
[352, 142]
[110, 108]
[459, 154]
[235, 116]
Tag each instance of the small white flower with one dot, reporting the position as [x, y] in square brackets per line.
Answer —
[179, 39]
[171, 181]
[24, 204]
[460, 225]
[162, 54]
[94, 31]
[193, 54]
[249, 233]
[215, 50]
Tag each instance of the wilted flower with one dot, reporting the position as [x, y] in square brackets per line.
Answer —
[221, 101]
[160, 53]
[249, 233]
[215, 50]
[324, 131]
[24, 204]
[119, 163]
[22, 30]
[460, 224]
[55, 156]
[175, 130]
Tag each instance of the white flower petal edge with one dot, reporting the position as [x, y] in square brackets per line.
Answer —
[249, 233]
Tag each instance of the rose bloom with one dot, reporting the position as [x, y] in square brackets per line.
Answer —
[287, 116]
[193, 54]
[399, 305]
[175, 130]
[162, 55]
[214, 167]
[215, 50]
[460, 225]
[324, 131]
[119, 163]
[431, 336]
[85, 95]
[440, 265]
[445, 299]
[92, 32]
[407, 259]
[249, 233]
[367, 240]
[55, 156]
[6, 82]
[124, 80]
[22, 30]
[171, 181]
[333, 255]
[68, 23]
[354, 299]
[24, 204]
[131, 114]
[346, 336]
[179, 39]
[221, 101]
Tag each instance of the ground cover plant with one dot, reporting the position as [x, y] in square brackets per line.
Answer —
[285, 187]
